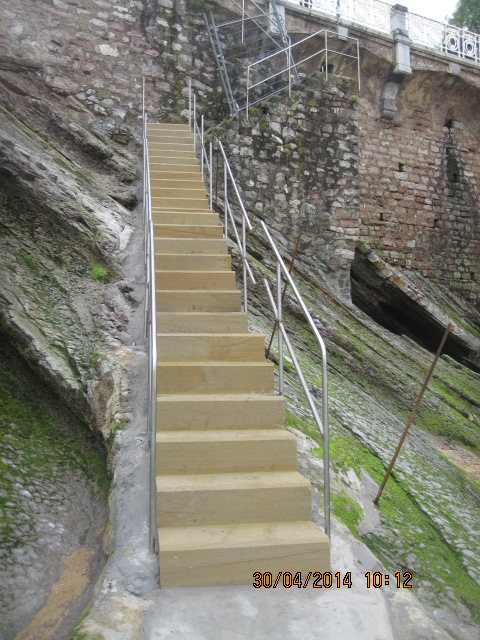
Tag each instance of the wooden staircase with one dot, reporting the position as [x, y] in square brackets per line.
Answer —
[230, 500]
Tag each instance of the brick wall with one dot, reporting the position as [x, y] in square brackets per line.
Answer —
[419, 185]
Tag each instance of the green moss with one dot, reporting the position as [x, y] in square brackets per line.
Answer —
[100, 273]
[347, 510]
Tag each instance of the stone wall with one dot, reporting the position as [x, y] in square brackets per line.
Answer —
[420, 181]
[96, 52]
[296, 161]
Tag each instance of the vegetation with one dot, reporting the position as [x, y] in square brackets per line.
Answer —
[467, 14]
[100, 274]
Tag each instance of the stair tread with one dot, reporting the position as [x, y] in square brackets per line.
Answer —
[219, 397]
[217, 334]
[238, 481]
[240, 535]
[222, 435]
[212, 363]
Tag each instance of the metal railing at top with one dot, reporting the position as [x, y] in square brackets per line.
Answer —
[375, 14]
[232, 200]
[326, 36]
[150, 331]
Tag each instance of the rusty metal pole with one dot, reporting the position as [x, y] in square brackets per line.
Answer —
[290, 269]
[414, 411]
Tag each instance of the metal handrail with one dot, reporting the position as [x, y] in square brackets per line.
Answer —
[150, 331]
[446, 38]
[288, 68]
[322, 423]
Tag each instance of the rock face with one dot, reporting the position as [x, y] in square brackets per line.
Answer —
[53, 505]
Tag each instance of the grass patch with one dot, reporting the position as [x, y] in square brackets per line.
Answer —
[100, 273]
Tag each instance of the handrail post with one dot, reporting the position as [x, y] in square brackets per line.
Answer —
[243, 18]
[194, 121]
[280, 335]
[201, 148]
[211, 175]
[326, 55]
[190, 103]
[326, 446]
[289, 72]
[153, 396]
[225, 185]
[244, 250]
[248, 90]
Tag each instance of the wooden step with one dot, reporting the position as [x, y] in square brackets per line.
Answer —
[204, 246]
[195, 280]
[196, 193]
[170, 154]
[194, 218]
[227, 411]
[194, 182]
[192, 262]
[232, 498]
[171, 172]
[187, 231]
[216, 451]
[198, 300]
[169, 137]
[183, 204]
[154, 127]
[214, 377]
[231, 554]
[204, 322]
[200, 347]
[168, 161]
[160, 168]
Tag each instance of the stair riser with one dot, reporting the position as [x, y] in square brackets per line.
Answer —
[194, 281]
[201, 378]
[190, 192]
[155, 127]
[198, 301]
[159, 149]
[201, 348]
[229, 506]
[170, 172]
[156, 160]
[168, 138]
[187, 231]
[182, 204]
[209, 567]
[177, 183]
[189, 246]
[179, 218]
[230, 457]
[193, 263]
[219, 413]
[201, 323]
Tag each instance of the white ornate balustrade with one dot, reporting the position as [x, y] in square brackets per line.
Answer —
[375, 14]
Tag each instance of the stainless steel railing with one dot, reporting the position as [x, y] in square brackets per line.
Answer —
[324, 51]
[232, 198]
[150, 331]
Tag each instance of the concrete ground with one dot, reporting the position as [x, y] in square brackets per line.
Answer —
[359, 613]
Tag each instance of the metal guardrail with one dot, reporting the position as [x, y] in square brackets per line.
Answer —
[375, 14]
[230, 189]
[241, 40]
[150, 332]
[287, 51]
